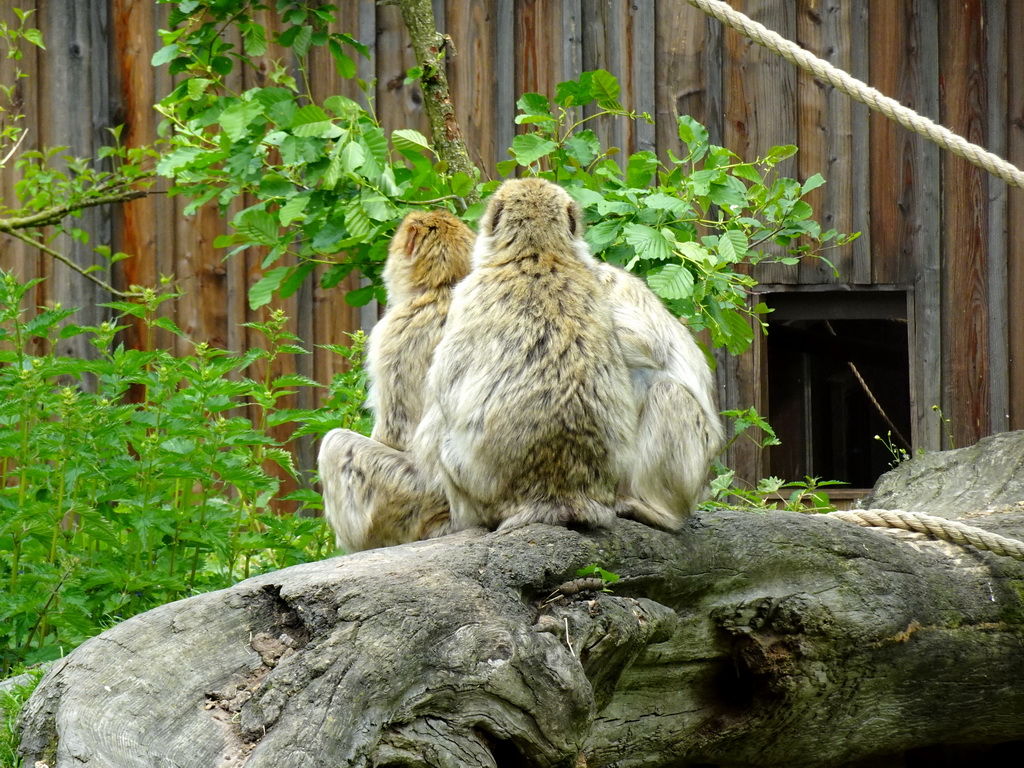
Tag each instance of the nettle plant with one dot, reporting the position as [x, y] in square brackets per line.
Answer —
[139, 477]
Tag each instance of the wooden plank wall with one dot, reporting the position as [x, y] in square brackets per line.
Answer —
[931, 223]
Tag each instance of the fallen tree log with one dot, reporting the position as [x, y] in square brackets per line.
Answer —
[753, 639]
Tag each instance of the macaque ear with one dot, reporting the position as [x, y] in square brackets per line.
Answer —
[497, 207]
[415, 233]
[573, 212]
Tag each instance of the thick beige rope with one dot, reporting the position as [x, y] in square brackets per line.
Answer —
[862, 92]
[940, 528]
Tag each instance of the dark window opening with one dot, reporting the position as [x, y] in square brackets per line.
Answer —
[838, 375]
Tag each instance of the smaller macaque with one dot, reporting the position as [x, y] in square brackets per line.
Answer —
[680, 431]
[428, 255]
[374, 494]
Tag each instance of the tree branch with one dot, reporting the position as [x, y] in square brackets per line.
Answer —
[429, 48]
[65, 260]
[53, 215]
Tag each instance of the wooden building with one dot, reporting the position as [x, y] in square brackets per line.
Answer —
[928, 307]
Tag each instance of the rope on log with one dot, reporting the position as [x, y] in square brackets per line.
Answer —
[940, 528]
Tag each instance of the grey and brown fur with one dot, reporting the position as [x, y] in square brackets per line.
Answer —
[428, 255]
[374, 494]
[680, 431]
[530, 415]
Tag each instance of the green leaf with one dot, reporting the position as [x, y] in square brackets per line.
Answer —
[360, 296]
[736, 331]
[583, 147]
[235, 118]
[529, 148]
[293, 209]
[748, 172]
[179, 445]
[462, 184]
[344, 64]
[343, 106]
[177, 160]
[641, 168]
[672, 281]
[261, 293]
[311, 120]
[733, 245]
[778, 154]
[164, 55]
[648, 242]
[659, 201]
[602, 234]
[410, 142]
[254, 39]
[812, 183]
[605, 87]
[295, 278]
[352, 157]
[258, 225]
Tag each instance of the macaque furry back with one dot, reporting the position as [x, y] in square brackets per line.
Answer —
[680, 431]
[374, 492]
[530, 412]
[428, 255]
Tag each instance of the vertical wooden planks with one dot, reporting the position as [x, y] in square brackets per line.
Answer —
[15, 256]
[1015, 215]
[760, 98]
[996, 245]
[74, 111]
[681, 63]
[832, 126]
[965, 221]
[472, 77]
[505, 63]
[398, 105]
[538, 46]
[643, 49]
[905, 236]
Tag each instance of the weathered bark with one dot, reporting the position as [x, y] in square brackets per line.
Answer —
[428, 46]
[774, 639]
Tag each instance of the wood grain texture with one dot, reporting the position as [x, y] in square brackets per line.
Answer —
[472, 78]
[1015, 216]
[965, 222]
[760, 101]
[996, 245]
[905, 183]
[831, 127]
[74, 111]
[681, 77]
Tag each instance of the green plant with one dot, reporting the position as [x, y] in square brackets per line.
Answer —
[805, 495]
[11, 701]
[687, 225]
[149, 484]
[946, 427]
[323, 176]
[898, 453]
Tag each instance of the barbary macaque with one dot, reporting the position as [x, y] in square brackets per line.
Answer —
[530, 411]
[428, 255]
[680, 431]
[374, 495]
